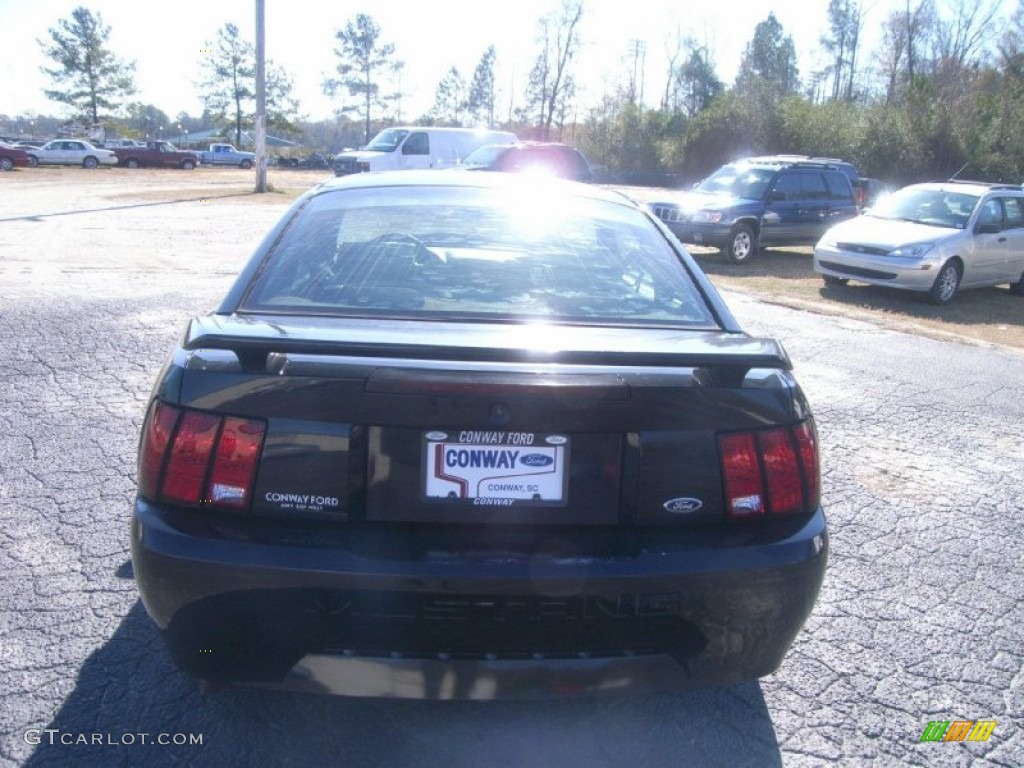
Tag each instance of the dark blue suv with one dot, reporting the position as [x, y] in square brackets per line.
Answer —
[761, 202]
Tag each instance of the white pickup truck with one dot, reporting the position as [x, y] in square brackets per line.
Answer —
[225, 154]
[405, 147]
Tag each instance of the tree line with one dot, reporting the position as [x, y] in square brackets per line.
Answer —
[942, 93]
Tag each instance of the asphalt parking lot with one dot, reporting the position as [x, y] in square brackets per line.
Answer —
[920, 618]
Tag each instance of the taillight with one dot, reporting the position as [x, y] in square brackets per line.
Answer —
[744, 491]
[807, 444]
[771, 472]
[191, 457]
[234, 465]
[156, 435]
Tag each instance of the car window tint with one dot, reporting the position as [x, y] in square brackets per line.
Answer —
[417, 144]
[788, 184]
[991, 214]
[813, 187]
[496, 254]
[1014, 212]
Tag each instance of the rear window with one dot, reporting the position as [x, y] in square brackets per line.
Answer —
[466, 253]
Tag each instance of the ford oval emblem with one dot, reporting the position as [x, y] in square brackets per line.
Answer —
[536, 460]
[556, 439]
[436, 436]
[683, 506]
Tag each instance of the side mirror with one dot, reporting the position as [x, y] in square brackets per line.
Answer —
[987, 229]
[775, 196]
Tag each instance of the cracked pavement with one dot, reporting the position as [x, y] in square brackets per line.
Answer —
[920, 617]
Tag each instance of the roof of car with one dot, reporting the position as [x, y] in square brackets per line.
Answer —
[532, 145]
[971, 187]
[456, 178]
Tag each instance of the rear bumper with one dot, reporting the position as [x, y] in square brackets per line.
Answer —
[362, 617]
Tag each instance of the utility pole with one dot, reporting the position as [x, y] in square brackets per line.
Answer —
[261, 101]
[638, 49]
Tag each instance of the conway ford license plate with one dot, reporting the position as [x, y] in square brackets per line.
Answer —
[486, 468]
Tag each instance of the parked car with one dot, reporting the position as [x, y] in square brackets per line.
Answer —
[71, 152]
[317, 160]
[12, 157]
[226, 154]
[314, 160]
[123, 144]
[549, 158]
[760, 202]
[470, 435]
[409, 147]
[933, 238]
[156, 154]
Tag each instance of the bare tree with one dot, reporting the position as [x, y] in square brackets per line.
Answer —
[961, 39]
[669, 102]
[904, 37]
[551, 85]
[917, 23]
[1011, 44]
[841, 43]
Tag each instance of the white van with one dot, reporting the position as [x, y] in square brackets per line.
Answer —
[404, 147]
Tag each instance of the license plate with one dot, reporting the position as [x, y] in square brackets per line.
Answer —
[487, 468]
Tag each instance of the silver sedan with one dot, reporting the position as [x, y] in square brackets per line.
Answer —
[935, 238]
[71, 152]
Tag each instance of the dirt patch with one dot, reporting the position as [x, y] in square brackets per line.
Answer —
[786, 276]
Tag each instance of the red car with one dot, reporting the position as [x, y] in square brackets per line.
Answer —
[11, 157]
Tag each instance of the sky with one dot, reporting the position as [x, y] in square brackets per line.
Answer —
[430, 36]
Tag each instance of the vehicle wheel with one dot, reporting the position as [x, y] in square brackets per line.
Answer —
[188, 165]
[90, 162]
[946, 283]
[1017, 289]
[831, 281]
[33, 161]
[132, 163]
[742, 244]
[6, 164]
[245, 165]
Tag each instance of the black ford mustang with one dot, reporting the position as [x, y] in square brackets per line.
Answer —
[476, 436]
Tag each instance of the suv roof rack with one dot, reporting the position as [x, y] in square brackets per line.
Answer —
[803, 161]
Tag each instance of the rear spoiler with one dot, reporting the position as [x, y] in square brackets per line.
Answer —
[254, 340]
